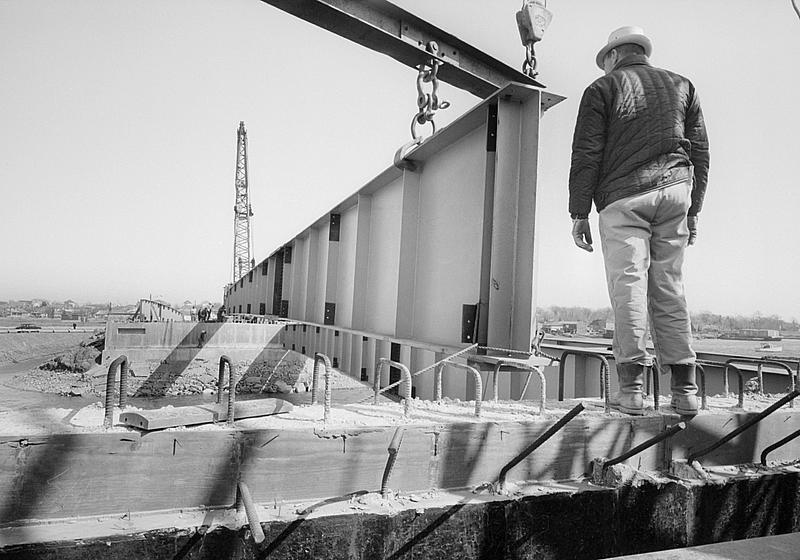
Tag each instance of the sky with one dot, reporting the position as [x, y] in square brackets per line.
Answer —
[118, 138]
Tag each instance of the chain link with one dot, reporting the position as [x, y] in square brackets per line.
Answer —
[532, 20]
[530, 64]
[428, 102]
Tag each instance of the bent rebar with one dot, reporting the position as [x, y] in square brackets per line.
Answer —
[252, 515]
[530, 369]
[394, 447]
[668, 433]
[320, 357]
[604, 370]
[776, 445]
[406, 376]
[740, 376]
[701, 371]
[231, 385]
[552, 430]
[761, 363]
[122, 361]
[654, 371]
[753, 421]
[478, 384]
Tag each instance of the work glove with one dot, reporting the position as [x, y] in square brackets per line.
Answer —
[582, 234]
[691, 222]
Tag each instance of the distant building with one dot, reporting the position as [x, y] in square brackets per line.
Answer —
[753, 334]
[565, 327]
[601, 327]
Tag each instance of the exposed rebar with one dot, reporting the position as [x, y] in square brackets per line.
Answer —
[394, 447]
[530, 369]
[701, 372]
[753, 421]
[668, 433]
[231, 385]
[320, 357]
[405, 376]
[478, 384]
[604, 372]
[761, 363]
[252, 515]
[433, 366]
[776, 445]
[437, 382]
[654, 370]
[122, 361]
[740, 376]
[552, 430]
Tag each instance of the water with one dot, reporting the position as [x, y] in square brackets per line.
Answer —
[790, 347]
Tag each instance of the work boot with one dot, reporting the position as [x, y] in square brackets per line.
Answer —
[684, 389]
[629, 397]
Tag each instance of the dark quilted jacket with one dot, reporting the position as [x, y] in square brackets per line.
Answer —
[639, 128]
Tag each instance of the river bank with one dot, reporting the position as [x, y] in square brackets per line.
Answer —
[25, 346]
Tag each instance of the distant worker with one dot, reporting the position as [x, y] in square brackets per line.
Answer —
[640, 152]
[221, 314]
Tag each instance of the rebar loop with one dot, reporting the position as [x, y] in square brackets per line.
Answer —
[406, 376]
[753, 421]
[437, 382]
[120, 362]
[394, 447]
[776, 445]
[740, 377]
[524, 367]
[668, 433]
[604, 369]
[231, 385]
[431, 367]
[760, 372]
[320, 357]
[552, 430]
[252, 514]
[476, 375]
[701, 372]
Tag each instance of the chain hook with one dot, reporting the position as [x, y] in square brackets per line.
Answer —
[532, 20]
[530, 64]
[428, 102]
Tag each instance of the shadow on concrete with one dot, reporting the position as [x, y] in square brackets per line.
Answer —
[461, 450]
[173, 366]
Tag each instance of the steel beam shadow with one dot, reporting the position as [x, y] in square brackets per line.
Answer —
[166, 373]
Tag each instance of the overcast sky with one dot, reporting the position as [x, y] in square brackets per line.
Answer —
[118, 136]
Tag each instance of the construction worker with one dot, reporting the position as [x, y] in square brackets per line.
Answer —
[640, 153]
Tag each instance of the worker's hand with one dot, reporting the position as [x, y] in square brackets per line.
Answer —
[582, 234]
[691, 222]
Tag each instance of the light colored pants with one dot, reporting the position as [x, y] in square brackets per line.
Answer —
[644, 237]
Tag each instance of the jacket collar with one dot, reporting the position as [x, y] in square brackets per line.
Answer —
[632, 60]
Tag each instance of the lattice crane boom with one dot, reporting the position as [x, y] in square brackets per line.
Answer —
[242, 210]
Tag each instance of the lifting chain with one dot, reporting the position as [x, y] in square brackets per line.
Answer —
[529, 66]
[532, 19]
[428, 103]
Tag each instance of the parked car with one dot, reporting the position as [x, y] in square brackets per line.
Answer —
[28, 327]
